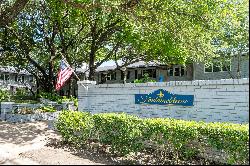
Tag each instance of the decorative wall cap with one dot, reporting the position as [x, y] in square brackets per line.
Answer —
[7, 102]
[86, 82]
[179, 83]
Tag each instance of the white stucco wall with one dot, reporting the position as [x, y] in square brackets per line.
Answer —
[214, 100]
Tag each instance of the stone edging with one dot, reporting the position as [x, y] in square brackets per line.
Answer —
[31, 117]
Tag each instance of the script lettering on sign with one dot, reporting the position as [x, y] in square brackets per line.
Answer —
[163, 97]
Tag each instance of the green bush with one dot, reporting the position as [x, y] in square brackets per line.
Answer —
[22, 95]
[50, 96]
[59, 99]
[4, 95]
[144, 79]
[75, 127]
[185, 139]
[46, 109]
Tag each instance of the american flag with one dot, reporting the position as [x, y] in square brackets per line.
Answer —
[64, 74]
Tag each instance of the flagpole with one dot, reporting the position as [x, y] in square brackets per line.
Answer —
[76, 76]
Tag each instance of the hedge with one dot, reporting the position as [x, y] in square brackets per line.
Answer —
[185, 139]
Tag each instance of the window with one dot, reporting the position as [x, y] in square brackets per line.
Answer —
[19, 79]
[7, 77]
[171, 73]
[217, 66]
[22, 78]
[177, 71]
[208, 68]
[2, 76]
[31, 78]
[139, 74]
[182, 71]
[151, 73]
[136, 74]
[111, 76]
[15, 77]
[103, 78]
[128, 74]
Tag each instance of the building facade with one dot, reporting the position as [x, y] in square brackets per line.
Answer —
[157, 72]
[222, 70]
[216, 70]
[10, 79]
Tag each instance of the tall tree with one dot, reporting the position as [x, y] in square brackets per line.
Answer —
[234, 39]
[168, 31]
[9, 14]
[99, 30]
[34, 42]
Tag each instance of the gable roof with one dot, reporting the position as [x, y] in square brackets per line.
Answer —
[134, 65]
[11, 69]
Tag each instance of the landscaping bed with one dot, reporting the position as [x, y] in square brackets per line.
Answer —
[31, 117]
[30, 114]
[160, 139]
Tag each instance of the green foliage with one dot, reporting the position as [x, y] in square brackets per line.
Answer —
[27, 110]
[24, 111]
[172, 32]
[75, 126]
[145, 79]
[50, 96]
[127, 133]
[22, 94]
[4, 95]
[59, 99]
[75, 100]
[46, 109]
[122, 132]
[30, 101]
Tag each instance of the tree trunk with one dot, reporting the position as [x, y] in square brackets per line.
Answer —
[238, 67]
[92, 66]
[37, 86]
[70, 87]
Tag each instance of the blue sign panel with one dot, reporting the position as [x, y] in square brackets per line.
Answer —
[164, 97]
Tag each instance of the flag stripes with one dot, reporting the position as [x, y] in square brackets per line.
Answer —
[63, 75]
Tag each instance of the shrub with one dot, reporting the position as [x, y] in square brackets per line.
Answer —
[75, 127]
[145, 79]
[185, 139]
[46, 109]
[4, 95]
[122, 132]
[50, 96]
[59, 99]
[21, 95]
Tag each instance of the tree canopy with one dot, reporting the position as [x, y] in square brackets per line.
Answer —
[94, 31]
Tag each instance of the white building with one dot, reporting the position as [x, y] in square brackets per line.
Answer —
[11, 79]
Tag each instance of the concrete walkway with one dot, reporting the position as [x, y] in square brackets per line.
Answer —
[19, 138]
[26, 144]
